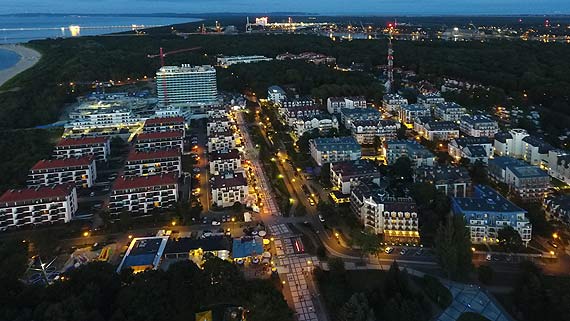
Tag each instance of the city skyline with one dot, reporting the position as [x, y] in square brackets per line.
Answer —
[333, 7]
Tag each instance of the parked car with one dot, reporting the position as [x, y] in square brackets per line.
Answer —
[388, 250]
[403, 252]
[216, 223]
[554, 245]
[321, 218]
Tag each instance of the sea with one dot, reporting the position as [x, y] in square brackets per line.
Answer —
[23, 28]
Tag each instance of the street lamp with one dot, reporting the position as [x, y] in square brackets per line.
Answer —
[86, 234]
[554, 235]
[173, 223]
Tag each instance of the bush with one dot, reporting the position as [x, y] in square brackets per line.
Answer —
[437, 292]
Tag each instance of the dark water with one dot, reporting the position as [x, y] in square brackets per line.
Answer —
[16, 29]
[8, 59]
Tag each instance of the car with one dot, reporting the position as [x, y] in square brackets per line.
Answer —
[321, 218]
[554, 245]
[311, 201]
[205, 221]
[388, 250]
[403, 252]
[489, 257]
[196, 170]
[92, 194]
[255, 260]
[216, 223]
[420, 252]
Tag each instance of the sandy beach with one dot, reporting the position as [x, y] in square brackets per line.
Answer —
[29, 57]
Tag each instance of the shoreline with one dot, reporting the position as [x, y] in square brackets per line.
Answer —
[28, 58]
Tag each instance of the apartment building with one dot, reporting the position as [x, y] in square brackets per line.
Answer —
[451, 180]
[474, 149]
[393, 102]
[430, 100]
[487, 212]
[221, 141]
[449, 111]
[366, 131]
[557, 207]
[396, 218]
[276, 94]
[408, 114]
[335, 149]
[345, 175]
[347, 116]
[478, 126]
[228, 189]
[153, 162]
[529, 183]
[98, 147]
[140, 195]
[160, 140]
[322, 123]
[37, 206]
[224, 161]
[417, 153]
[164, 124]
[335, 104]
[81, 172]
[431, 129]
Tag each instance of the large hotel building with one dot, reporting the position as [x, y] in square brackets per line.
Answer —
[187, 85]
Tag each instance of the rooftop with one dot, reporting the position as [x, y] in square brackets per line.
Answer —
[228, 180]
[224, 154]
[442, 125]
[144, 252]
[356, 168]
[186, 69]
[543, 147]
[443, 174]
[151, 155]
[487, 200]
[392, 97]
[414, 107]
[477, 151]
[518, 167]
[373, 122]
[276, 89]
[29, 194]
[503, 136]
[186, 244]
[123, 183]
[82, 141]
[347, 112]
[335, 143]
[464, 141]
[173, 134]
[164, 121]
[62, 163]
[477, 119]
[449, 105]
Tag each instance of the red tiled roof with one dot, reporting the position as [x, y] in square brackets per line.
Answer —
[146, 181]
[163, 121]
[29, 194]
[82, 141]
[160, 135]
[62, 163]
[155, 154]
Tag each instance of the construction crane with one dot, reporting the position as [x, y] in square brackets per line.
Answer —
[163, 54]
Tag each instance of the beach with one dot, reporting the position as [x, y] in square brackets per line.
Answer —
[29, 57]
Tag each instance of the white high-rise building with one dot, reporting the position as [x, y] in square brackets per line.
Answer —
[187, 85]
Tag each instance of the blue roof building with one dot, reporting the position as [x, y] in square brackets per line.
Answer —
[487, 212]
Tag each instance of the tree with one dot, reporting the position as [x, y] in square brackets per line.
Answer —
[453, 248]
[402, 168]
[368, 241]
[510, 239]
[485, 274]
[356, 309]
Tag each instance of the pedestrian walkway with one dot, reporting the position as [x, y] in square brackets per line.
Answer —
[296, 271]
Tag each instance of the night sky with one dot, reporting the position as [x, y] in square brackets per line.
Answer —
[365, 7]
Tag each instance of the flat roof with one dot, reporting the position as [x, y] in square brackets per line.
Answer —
[122, 183]
[187, 244]
[82, 141]
[486, 199]
[224, 154]
[28, 194]
[135, 155]
[228, 180]
[334, 143]
[62, 163]
[144, 251]
[356, 168]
